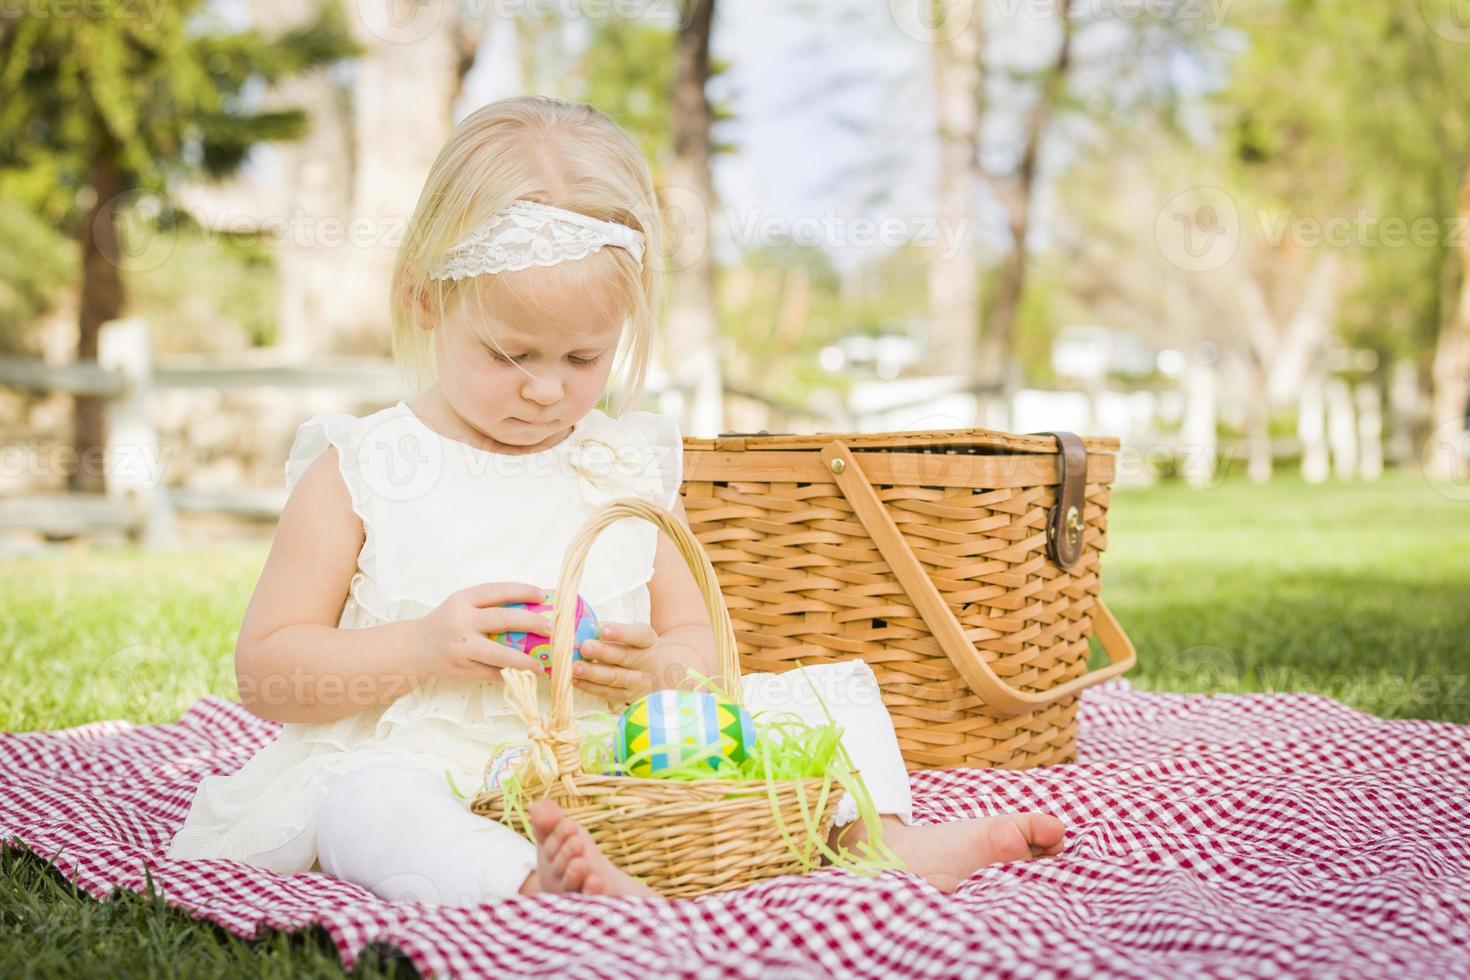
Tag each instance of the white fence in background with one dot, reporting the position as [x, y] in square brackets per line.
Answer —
[136, 500]
[1340, 429]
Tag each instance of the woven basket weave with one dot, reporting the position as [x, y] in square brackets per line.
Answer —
[943, 559]
[683, 838]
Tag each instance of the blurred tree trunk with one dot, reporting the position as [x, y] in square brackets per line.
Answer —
[1300, 362]
[1342, 428]
[954, 280]
[1016, 193]
[1259, 460]
[348, 188]
[1286, 360]
[1451, 371]
[1311, 326]
[112, 107]
[1311, 426]
[315, 183]
[101, 301]
[402, 101]
[795, 312]
[691, 342]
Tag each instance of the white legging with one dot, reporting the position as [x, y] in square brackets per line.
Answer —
[402, 834]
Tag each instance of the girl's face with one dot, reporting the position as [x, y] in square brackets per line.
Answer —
[556, 353]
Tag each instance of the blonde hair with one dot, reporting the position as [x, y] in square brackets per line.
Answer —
[546, 150]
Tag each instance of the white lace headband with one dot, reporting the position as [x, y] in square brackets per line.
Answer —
[528, 233]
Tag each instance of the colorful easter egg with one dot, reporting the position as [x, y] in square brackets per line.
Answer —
[679, 726]
[538, 646]
[501, 765]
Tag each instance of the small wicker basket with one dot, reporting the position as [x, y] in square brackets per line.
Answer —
[962, 565]
[681, 838]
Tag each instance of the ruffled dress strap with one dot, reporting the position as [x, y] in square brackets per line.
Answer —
[346, 434]
[313, 438]
[636, 454]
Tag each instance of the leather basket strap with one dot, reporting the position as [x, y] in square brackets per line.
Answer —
[1065, 528]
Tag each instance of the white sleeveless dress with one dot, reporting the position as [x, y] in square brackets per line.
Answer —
[440, 515]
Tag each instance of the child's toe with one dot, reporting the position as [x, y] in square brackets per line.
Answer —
[545, 816]
[556, 837]
[576, 875]
[570, 849]
[1046, 832]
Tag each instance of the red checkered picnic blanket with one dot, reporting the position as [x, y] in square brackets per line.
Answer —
[1226, 835]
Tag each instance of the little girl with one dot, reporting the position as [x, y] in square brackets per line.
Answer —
[529, 268]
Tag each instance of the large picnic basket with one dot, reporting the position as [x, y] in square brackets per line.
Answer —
[962, 565]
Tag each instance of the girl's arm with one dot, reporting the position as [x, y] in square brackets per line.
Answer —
[292, 663]
[686, 640]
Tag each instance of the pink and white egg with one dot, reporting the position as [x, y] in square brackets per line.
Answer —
[538, 646]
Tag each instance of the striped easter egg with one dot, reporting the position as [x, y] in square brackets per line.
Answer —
[665, 729]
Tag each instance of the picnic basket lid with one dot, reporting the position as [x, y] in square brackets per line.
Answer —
[926, 440]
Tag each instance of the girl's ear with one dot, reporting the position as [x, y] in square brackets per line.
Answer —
[419, 306]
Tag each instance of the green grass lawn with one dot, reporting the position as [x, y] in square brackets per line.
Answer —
[1356, 591]
[1359, 591]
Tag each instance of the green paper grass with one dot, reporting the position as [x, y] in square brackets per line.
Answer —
[786, 748]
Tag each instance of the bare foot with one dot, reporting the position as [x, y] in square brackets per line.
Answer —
[568, 860]
[948, 853]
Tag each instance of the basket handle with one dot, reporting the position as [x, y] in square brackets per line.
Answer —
[940, 618]
[563, 623]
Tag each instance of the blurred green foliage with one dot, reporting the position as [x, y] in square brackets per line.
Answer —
[227, 299]
[111, 106]
[778, 309]
[1362, 112]
[36, 264]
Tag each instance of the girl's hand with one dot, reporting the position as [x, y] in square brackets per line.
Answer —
[454, 642]
[620, 665]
